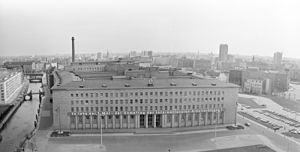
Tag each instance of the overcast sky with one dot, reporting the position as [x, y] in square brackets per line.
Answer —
[252, 27]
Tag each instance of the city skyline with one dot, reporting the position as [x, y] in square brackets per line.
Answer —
[248, 27]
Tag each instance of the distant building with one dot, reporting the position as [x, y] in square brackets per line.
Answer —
[274, 81]
[26, 66]
[295, 75]
[99, 56]
[223, 52]
[10, 82]
[146, 53]
[117, 66]
[202, 65]
[277, 58]
[257, 86]
[161, 61]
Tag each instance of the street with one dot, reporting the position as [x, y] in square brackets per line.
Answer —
[21, 123]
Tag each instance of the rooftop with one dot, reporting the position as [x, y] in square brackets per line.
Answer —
[143, 83]
[4, 75]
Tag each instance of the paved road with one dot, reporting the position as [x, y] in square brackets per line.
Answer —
[283, 142]
[21, 123]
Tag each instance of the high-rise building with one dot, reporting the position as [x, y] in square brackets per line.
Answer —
[277, 58]
[223, 52]
[99, 56]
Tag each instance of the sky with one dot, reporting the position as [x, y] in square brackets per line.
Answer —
[249, 27]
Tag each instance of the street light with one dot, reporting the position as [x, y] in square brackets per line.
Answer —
[101, 129]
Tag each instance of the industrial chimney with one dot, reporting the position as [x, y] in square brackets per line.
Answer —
[73, 49]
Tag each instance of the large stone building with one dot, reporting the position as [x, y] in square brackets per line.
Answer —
[10, 82]
[122, 103]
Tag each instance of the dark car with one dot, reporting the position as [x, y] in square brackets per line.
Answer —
[247, 124]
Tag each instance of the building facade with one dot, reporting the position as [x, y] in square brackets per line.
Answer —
[143, 103]
[254, 86]
[9, 84]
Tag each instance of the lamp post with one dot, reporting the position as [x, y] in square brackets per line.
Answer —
[101, 129]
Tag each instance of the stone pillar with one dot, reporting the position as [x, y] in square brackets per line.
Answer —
[223, 116]
[105, 119]
[186, 119]
[98, 122]
[91, 122]
[179, 121]
[172, 123]
[205, 122]
[83, 121]
[162, 120]
[218, 116]
[200, 118]
[165, 120]
[146, 119]
[193, 119]
[114, 121]
[154, 120]
[121, 121]
[76, 121]
[136, 121]
[128, 121]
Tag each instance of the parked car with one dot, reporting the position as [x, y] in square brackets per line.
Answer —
[247, 124]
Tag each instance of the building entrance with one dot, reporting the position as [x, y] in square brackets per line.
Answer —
[158, 121]
[150, 121]
[142, 121]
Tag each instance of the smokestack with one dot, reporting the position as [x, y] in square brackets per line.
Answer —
[73, 49]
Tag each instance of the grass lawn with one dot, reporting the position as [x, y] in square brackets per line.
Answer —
[249, 102]
[290, 104]
[253, 148]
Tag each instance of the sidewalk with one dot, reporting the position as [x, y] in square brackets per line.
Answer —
[153, 133]
[149, 131]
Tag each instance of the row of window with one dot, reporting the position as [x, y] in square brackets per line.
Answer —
[156, 93]
[146, 101]
[145, 108]
[132, 117]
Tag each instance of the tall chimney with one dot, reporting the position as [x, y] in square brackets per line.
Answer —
[73, 49]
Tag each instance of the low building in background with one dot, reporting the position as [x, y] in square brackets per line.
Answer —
[274, 81]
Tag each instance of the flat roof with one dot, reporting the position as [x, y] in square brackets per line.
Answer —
[143, 84]
[4, 75]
